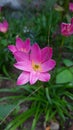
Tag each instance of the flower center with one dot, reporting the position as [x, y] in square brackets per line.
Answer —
[36, 67]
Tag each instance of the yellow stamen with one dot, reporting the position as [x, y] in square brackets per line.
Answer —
[36, 67]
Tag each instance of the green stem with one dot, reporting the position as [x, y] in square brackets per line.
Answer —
[62, 43]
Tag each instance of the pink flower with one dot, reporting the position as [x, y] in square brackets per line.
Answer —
[71, 6]
[22, 46]
[67, 29]
[4, 26]
[72, 20]
[36, 67]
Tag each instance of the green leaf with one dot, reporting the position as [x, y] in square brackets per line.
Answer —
[21, 118]
[44, 21]
[5, 71]
[68, 62]
[5, 110]
[59, 8]
[4, 42]
[71, 69]
[49, 114]
[70, 95]
[37, 115]
[48, 96]
[64, 76]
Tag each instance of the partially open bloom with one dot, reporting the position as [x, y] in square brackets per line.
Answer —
[67, 28]
[22, 46]
[4, 26]
[36, 66]
[71, 6]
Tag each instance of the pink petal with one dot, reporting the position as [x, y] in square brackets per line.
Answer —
[35, 54]
[19, 43]
[5, 23]
[71, 6]
[34, 77]
[4, 26]
[46, 54]
[1, 25]
[24, 65]
[27, 45]
[48, 65]
[72, 20]
[44, 77]
[66, 29]
[71, 29]
[21, 56]
[23, 78]
[12, 48]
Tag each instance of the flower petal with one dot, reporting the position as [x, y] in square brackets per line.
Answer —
[71, 6]
[1, 25]
[23, 78]
[33, 77]
[19, 43]
[72, 20]
[4, 26]
[44, 77]
[5, 23]
[66, 29]
[27, 45]
[21, 56]
[24, 65]
[48, 65]
[35, 54]
[12, 48]
[46, 54]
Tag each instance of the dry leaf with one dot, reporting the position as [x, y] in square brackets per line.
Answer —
[58, 8]
[48, 128]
